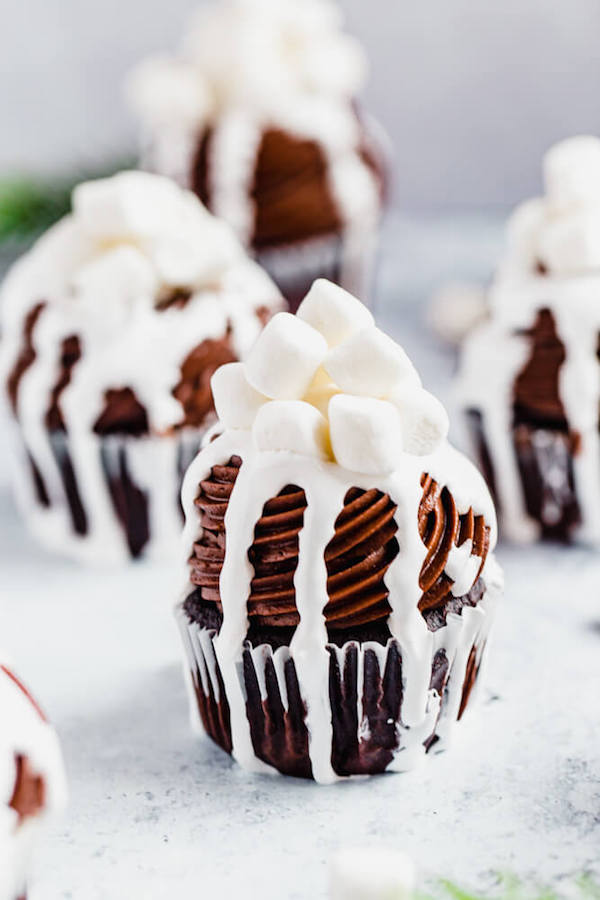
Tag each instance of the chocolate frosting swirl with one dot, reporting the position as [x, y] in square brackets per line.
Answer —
[291, 189]
[536, 392]
[357, 557]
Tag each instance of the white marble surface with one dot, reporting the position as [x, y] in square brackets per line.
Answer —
[156, 812]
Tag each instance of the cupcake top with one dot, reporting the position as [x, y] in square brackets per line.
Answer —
[266, 87]
[553, 241]
[32, 782]
[116, 318]
[333, 501]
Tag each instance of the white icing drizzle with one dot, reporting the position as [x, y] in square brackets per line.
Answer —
[288, 90]
[24, 733]
[263, 475]
[126, 341]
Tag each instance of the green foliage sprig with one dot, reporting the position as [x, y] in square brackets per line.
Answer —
[30, 204]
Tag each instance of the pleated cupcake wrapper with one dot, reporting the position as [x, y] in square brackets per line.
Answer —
[546, 459]
[132, 506]
[366, 693]
[344, 259]
[545, 463]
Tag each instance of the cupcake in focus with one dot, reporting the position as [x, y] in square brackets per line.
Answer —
[530, 376]
[112, 326]
[340, 584]
[257, 115]
[32, 783]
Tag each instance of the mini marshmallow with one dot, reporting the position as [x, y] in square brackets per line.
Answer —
[321, 390]
[334, 312]
[196, 256]
[425, 422]
[571, 244]
[165, 90]
[377, 873]
[236, 401]
[524, 227]
[366, 434]
[456, 309]
[294, 426]
[128, 205]
[115, 278]
[283, 361]
[369, 363]
[572, 173]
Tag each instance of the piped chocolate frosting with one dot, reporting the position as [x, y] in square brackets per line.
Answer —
[536, 392]
[357, 557]
[291, 189]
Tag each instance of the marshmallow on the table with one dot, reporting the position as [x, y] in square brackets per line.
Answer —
[366, 434]
[283, 361]
[236, 401]
[128, 205]
[333, 311]
[455, 309]
[572, 173]
[424, 420]
[372, 873]
[292, 425]
[369, 363]
[120, 275]
[571, 244]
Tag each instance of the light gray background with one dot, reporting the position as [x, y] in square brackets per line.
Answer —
[472, 91]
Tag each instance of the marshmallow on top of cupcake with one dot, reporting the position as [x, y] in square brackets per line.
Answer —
[112, 326]
[331, 446]
[32, 782]
[329, 384]
[530, 376]
[256, 115]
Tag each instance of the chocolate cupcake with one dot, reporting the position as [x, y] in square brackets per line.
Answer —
[257, 116]
[530, 376]
[340, 585]
[32, 782]
[112, 326]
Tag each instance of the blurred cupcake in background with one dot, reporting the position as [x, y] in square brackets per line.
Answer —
[530, 375]
[32, 783]
[112, 326]
[257, 115]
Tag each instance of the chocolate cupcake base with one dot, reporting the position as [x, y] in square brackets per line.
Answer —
[117, 497]
[545, 459]
[368, 687]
